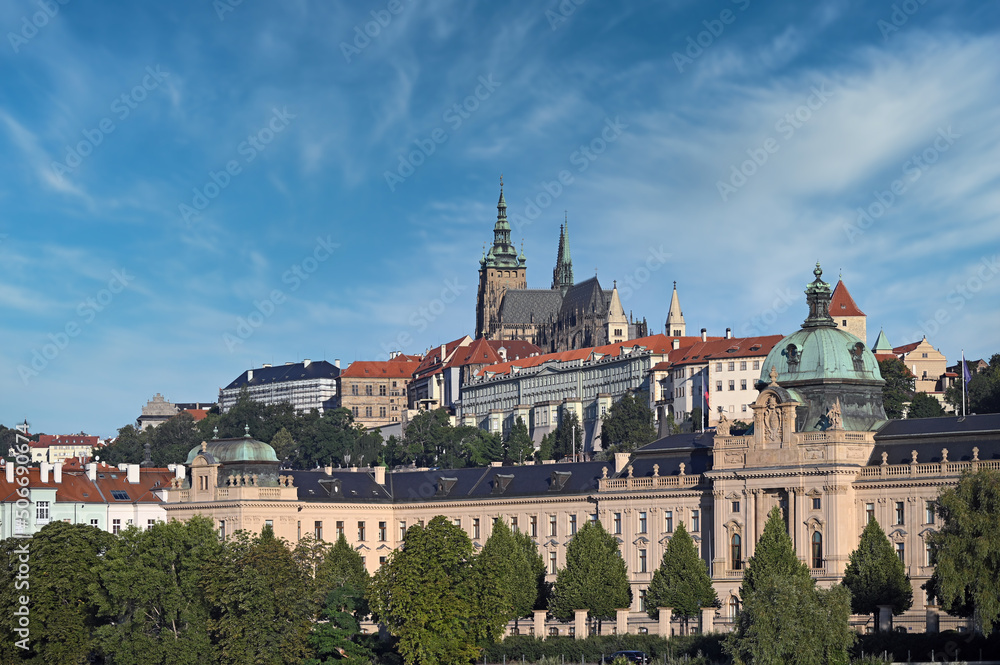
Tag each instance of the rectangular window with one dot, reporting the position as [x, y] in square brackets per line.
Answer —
[361, 531]
[927, 556]
[736, 506]
[298, 530]
[368, 412]
[116, 526]
[457, 522]
[618, 523]
[869, 512]
[670, 521]
[695, 521]
[642, 522]
[513, 523]
[381, 561]
[718, 367]
[930, 512]
[572, 525]
[817, 503]
[901, 551]
[732, 367]
[743, 384]
[354, 389]
[718, 386]
[593, 518]
[381, 412]
[743, 408]
[732, 385]
[402, 529]
[269, 523]
[534, 526]
[95, 523]
[475, 527]
[756, 364]
[642, 600]
[368, 390]
[340, 528]
[381, 390]
[743, 365]
[642, 561]
[318, 529]
[552, 525]
[552, 563]
[354, 410]
[222, 528]
[899, 512]
[42, 511]
[383, 532]
[150, 523]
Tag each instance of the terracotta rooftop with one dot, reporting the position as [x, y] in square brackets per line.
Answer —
[719, 349]
[842, 304]
[381, 369]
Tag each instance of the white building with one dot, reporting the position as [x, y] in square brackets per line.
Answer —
[306, 385]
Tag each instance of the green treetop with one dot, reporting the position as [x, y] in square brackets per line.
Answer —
[681, 582]
[594, 579]
[898, 388]
[628, 424]
[876, 576]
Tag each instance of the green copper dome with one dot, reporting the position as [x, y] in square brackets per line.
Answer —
[820, 354]
[229, 451]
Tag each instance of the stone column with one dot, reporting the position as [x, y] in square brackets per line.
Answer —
[793, 520]
[933, 619]
[540, 623]
[707, 620]
[664, 626]
[621, 621]
[885, 618]
[580, 624]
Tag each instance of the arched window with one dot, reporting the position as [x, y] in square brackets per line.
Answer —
[817, 550]
[737, 552]
[734, 607]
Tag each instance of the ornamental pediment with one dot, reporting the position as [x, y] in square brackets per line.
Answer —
[641, 540]
[897, 534]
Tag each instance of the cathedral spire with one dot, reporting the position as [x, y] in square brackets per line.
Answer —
[562, 274]
[675, 317]
[503, 254]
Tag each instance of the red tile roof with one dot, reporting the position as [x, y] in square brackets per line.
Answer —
[719, 349]
[842, 304]
[516, 348]
[433, 361]
[197, 414]
[46, 440]
[381, 369]
[480, 352]
[75, 486]
[906, 348]
[885, 356]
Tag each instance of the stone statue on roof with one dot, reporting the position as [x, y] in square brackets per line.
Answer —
[723, 426]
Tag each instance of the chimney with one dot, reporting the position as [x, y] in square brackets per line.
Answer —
[10, 472]
[621, 461]
[44, 475]
[675, 343]
[249, 375]
[92, 471]
[132, 473]
[704, 334]
[380, 474]
[266, 365]
[442, 352]
[57, 472]
[336, 363]
[729, 333]
[306, 363]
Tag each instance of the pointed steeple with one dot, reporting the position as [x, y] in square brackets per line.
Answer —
[618, 330]
[562, 274]
[882, 344]
[503, 254]
[675, 317]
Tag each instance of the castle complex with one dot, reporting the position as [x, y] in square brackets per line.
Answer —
[820, 449]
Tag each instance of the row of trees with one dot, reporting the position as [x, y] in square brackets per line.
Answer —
[176, 594]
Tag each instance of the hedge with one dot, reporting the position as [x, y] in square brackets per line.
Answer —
[595, 646]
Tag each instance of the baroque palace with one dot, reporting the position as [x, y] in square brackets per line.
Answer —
[820, 448]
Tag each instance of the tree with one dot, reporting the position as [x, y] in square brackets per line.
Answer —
[671, 425]
[518, 446]
[898, 388]
[785, 619]
[262, 610]
[128, 447]
[924, 406]
[501, 572]
[875, 575]
[149, 587]
[568, 436]
[697, 416]
[63, 560]
[536, 567]
[628, 424]
[681, 582]
[966, 551]
[594, 579]
[983, 390]
[341, 583]
[342, 566]
[423, 596]
[283, 443]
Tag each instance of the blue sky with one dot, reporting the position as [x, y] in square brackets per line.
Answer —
[171, 169]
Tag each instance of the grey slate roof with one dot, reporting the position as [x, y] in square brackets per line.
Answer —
[586, 296]
[929, 435]
[529, 305]
[317, 369]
